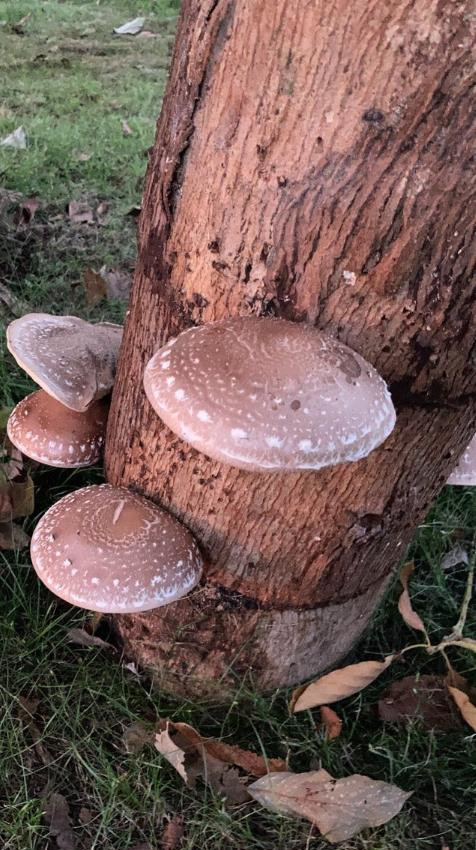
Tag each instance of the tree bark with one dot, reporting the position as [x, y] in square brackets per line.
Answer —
[312, 161]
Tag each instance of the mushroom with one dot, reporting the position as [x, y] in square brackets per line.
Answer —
[107, 549]
[268, 394]
[464, 474]
[51, 433]
[72, 360]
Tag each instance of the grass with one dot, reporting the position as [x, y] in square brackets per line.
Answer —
[70, 82]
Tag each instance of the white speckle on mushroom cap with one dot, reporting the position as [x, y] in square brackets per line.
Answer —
[121, 553]
[278, 395]
[464, 474]
[73, 360]
[51, 433]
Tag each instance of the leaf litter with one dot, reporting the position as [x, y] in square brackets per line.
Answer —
[338, 807]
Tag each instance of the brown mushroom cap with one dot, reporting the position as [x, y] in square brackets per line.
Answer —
[107, 549]
[72, 360]
[464, 474]
[51, 433]
[267, 394]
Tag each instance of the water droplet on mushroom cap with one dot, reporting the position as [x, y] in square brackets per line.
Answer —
[51, 433]
[267, 394]
[114, 551]
[464, 474]
[72, 360]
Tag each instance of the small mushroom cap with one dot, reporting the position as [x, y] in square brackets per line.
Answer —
[51, 433]
[107, 549]
[464, 474]
[267, 394]
[74, 361]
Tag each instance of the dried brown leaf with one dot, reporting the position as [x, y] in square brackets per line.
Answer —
[338, 807]
[102, 209]
[82, 638]
[424, 698]
[85, 815]
[173, 834]
[466, 707]
[339, 684]
[405, 607]
[212, 761]
[80, 212]
[464, 643]
[95, 287]
[59, 823]
[331, 722]
[126, 130]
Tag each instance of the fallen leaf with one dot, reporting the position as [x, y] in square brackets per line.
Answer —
[85, 815]
[95, 287]
[338, 685]
[424, 698]
[80, 212]
[22, 494]
[338, 807]
[130, 27]
[136, 736]
[126, 129]
[172, 834]
[464, 643]
[17, 139]
[132, 668]
[456, 555]
[466, 707]
[59, 823]
[147, 34]
[213, 761]
[19, 26]
[410, 617]
[12, 536]
[83, 156]
[331, 722]
[82, 638]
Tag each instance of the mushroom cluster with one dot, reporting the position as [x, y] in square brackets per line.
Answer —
[74, 362]
[261, 394]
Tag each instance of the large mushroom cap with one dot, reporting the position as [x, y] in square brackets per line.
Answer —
[51, 433]
[74, 361]
[464, 475]
[107, 549]
[268, 394]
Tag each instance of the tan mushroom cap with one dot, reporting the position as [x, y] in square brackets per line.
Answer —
[464, 474]
[107, 549]
[72, 360]
[267, 394]
[51, 433]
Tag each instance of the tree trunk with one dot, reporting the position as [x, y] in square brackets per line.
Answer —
[312, 161]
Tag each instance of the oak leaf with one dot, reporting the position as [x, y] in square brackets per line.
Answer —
[338, 685]
[172, 834]
[466, 707]
[338, 807]
[405, 607]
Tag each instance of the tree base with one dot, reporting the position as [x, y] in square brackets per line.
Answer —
[210, 645]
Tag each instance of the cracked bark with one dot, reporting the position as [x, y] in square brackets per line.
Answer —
[314, 164]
